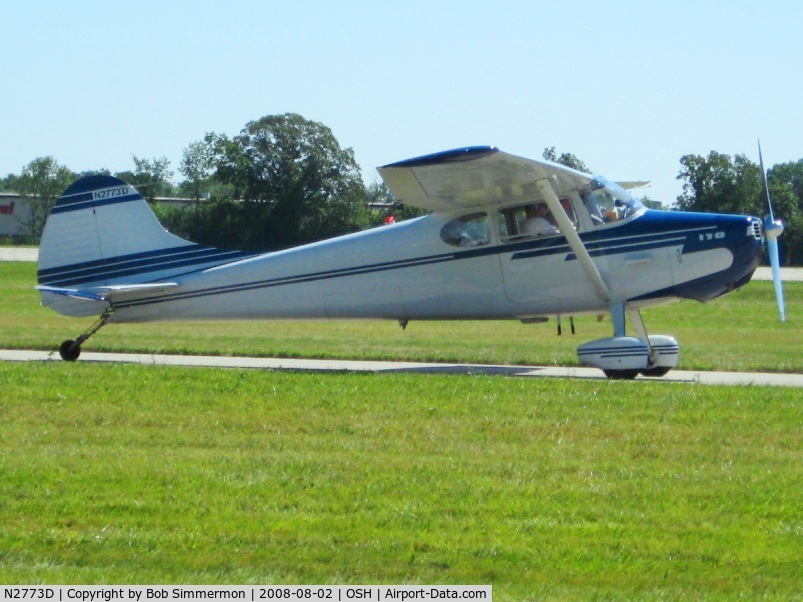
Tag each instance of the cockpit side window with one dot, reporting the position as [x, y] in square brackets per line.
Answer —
[470, 230]
[607, 203]
[532, 220]
[566, 203]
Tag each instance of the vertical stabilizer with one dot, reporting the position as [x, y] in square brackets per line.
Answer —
[98, 220]
[101, 232]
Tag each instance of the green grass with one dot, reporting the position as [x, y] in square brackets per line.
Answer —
[738, 332]
[546, 488]
[549, 489]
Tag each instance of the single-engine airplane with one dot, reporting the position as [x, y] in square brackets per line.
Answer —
[508, 238]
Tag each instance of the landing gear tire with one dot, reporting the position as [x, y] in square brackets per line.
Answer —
[69, 351]
[655, 372]
[621, 374]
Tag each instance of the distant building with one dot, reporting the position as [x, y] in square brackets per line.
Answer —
[12, 206]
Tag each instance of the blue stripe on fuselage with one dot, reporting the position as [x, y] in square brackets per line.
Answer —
[610, 241]
[136, 264]
[654, 229]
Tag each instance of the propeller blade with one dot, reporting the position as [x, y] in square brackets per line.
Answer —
[772, 230]
[772, 247]
[764, 180]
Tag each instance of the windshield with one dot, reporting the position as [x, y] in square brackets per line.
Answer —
[608, 202]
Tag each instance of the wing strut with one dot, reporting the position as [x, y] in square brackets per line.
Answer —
[567, 229]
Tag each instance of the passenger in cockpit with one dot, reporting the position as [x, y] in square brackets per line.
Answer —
[538, 222]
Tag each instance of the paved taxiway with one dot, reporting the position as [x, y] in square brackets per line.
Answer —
[705, 378]
[19, 254]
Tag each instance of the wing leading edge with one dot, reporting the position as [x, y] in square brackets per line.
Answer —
[473, 177]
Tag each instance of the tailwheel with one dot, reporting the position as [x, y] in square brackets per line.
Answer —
[70, 350]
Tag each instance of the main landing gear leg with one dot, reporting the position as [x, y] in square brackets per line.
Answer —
[625, 357]
[619, 330]
[70, 350]
[653, 368]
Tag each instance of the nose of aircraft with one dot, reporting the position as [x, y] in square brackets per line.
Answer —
[747, 249]
[742, 236]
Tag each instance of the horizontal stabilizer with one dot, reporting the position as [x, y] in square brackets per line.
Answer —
[84, 302]
[70, 292]
[108, 293]
[118, 290]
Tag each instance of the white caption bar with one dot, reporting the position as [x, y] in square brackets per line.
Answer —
[248, 593]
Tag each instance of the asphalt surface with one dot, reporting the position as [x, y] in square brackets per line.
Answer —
[705, 378]
[19, 254]
[787, 274]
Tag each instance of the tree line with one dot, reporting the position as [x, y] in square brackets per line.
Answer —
[285, 180]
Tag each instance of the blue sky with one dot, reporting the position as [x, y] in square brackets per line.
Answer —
[629, 87]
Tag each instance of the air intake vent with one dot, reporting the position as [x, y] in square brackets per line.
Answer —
[755, 229]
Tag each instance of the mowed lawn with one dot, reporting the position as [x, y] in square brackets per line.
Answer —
[549, 489]
[740, 331]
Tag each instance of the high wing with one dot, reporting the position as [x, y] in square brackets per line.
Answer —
[473, 177]
[631, 184]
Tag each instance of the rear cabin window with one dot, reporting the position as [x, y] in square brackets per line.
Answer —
[470, 230]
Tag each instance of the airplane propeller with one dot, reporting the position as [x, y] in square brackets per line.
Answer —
[772, 230]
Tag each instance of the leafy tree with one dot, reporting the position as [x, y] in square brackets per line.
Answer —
[197, 165]
[567, 159]
[42, 181]
[9, 183]
[94, 172]
[720, 184]
[382, 204]
[217, 222]
[295, 182]
[151, 177]
[785, 182]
